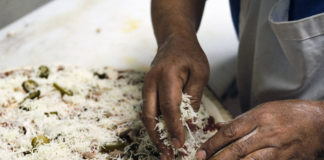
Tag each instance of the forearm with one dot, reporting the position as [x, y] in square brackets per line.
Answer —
[176, 18]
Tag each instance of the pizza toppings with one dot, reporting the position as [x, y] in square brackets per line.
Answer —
[100, 75]
[192, 122]
[31, 95]
[24, 108]
[39, 140]
[51, 113]
[43, 71]
[100, 121]
[119, 145]
[210, 126]
[62, 90]
[29, 85]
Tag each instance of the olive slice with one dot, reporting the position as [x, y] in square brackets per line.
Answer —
[39, 140]
[43, 71]
[50, 113]
[33, 95]
[100, 75]
[62, 90]
[29, 85]
[119, 145]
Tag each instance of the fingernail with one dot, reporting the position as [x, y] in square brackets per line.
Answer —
[176, 143]
[201, 155]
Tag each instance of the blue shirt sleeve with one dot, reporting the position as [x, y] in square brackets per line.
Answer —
[304, 8]
[298, 9]
[235, 10]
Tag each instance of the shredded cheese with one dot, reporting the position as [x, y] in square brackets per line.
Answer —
[101, 109]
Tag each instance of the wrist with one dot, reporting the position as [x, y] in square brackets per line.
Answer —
[177, 35]
[178, 40]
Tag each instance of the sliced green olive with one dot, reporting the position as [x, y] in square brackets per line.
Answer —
[24, 108]
[119, 145]
[43, 71]
[39, 140]
[33, 95]
[26, 152]
[62, 90]
[29, 85]
[51, 113]
[100, 75]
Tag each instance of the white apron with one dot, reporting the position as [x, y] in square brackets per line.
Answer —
[279, 59]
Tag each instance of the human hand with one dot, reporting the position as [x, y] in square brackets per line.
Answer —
[291, 129]
[179, 66]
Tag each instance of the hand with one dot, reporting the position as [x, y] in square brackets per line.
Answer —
[291, 129]
[179, 66]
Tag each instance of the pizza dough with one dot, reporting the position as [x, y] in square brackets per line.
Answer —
[72, 113]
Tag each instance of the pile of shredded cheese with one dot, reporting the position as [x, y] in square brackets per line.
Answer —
[194, 122]
[103, 110]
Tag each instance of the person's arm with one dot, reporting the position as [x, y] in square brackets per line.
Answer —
[172, 19]
[179, 66]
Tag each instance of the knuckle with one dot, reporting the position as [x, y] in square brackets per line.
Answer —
[202, 69]
[171, 72]
[201, 76]
[229, 131]
[266, 116]
[171, 106]
[195, 101]
[147, 118]
[238, 149]
[196, 98]
[168, 70]
[220, 125]
[161, 70]
[275, 132]
[150, 74]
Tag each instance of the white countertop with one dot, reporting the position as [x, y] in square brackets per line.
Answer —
[114, 33]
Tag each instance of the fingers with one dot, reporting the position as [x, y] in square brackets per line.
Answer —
[170, 96]
[195, 87]
[263, 154]
[244, 146]
[228, 133]
[149, 113]
[219, 125]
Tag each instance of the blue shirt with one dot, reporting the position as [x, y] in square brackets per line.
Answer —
[298, 9]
